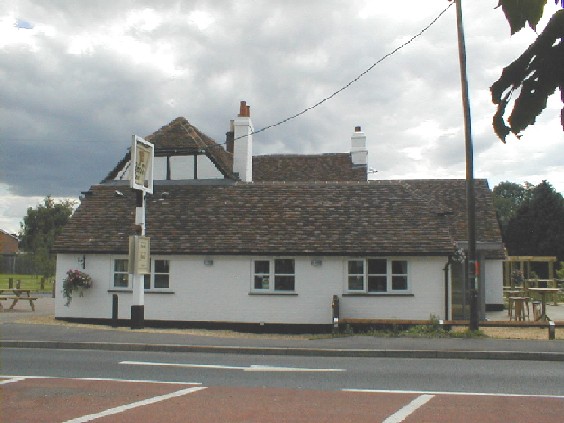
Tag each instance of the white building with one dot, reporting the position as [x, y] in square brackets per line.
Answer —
[243, 241]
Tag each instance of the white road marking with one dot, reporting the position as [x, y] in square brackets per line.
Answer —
[404, 412]
[252, 368]
[12, 379]
[477, 394]
[197, 366]
[122, 408]
[102, 379]
[261, 368]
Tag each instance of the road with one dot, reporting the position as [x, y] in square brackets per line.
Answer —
[215, 387]
[485, 376]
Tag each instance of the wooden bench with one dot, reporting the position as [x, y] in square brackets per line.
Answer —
[15, 300]
[2, 299]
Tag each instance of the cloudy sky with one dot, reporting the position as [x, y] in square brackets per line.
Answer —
[77, 78]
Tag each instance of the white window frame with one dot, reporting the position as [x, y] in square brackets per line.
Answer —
[151, 276]
[389, 276]
[271, 276]
[113, 273]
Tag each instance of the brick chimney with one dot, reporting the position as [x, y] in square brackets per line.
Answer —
[243, 144]
[359, 153]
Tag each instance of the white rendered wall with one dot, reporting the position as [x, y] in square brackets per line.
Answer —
[222, 292]
[159, 168]
[494, 281]
[182, 167]
[426, 279]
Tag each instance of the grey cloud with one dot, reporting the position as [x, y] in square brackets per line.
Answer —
[66, 119]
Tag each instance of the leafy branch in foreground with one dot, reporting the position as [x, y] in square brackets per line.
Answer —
[537, 72]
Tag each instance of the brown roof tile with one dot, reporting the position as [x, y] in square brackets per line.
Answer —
[452, 193]
[320, 167]
[179, 137]
[331, 218]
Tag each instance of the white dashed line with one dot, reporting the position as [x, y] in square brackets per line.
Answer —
[475, 394]
[122, 408]
[400, 415]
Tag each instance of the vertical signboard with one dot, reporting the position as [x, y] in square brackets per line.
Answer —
[142, 155]
[139, 255]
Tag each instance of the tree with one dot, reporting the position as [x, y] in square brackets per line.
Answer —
[507, 198]
[39, 229]
[537, 228]
[537, 73]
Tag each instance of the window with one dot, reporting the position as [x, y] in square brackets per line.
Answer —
[121, 277]
[159, 277]
[278, 275]
[377, 275]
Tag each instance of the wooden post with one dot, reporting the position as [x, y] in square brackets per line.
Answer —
[551, 330]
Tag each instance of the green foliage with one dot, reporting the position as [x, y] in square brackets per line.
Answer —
[537, 228]
[39, 229]
[520, 12]
[75, 281]
[432, 330]
[507, 198]
[535, 75]
[32, 282]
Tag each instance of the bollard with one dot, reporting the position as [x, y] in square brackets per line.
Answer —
[115, 310]
[551, 330]
[336, 314]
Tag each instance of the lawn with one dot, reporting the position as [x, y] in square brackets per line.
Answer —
[32, 282]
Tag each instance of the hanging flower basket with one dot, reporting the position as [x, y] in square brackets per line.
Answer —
[75, 281]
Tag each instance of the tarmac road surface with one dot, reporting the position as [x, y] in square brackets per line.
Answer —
[40, 399]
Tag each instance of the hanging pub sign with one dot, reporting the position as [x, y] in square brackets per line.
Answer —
[139, 255]
[141, 165]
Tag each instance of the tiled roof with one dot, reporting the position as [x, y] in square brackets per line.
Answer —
[334, 218]
[320, 167]
[179, 137]
[452, 193]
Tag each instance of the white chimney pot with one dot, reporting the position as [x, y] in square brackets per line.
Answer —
[359, 153]
[243, 144]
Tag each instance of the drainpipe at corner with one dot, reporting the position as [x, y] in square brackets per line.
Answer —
[446, 270]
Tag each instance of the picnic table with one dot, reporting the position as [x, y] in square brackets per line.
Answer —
[543, 292]
[17, 295]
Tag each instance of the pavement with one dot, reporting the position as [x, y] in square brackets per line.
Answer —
[23, 328]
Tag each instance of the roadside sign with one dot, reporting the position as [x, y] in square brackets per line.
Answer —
[141, 165]
[139, 255]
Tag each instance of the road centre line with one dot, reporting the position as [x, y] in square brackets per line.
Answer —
[404, 412]
[252, 368]
[122, 408]
[477, 394]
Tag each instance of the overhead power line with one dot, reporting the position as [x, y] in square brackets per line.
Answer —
[344, 87]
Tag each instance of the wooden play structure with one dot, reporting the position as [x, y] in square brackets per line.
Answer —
[528, 276]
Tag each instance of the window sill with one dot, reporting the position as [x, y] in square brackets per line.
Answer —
[378, 294]
[274, 293]
[149, 291]
[117, 290]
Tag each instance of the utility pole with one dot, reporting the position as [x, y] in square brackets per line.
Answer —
[472, 268]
